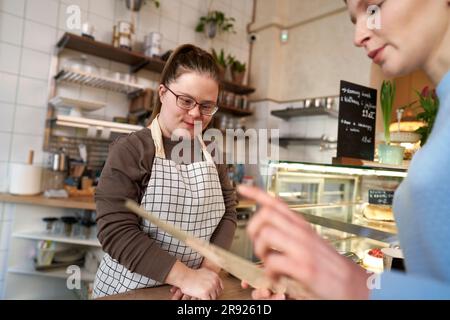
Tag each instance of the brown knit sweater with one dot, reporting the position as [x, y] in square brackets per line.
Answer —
[126, 175]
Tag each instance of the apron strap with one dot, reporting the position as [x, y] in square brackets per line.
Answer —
[157, 138]
[159, 147]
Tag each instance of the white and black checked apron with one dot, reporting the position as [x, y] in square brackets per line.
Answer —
[188, 196]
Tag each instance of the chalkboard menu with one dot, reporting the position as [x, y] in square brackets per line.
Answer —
[381, 197]
[357, 116]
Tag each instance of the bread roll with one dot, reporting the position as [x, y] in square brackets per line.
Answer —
[378, 212]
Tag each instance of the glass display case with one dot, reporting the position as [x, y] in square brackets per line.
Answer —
[333, 198]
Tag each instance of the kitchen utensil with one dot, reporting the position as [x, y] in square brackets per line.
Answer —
[83, 152]
[60, 161]
[237, 266]
[25, 179]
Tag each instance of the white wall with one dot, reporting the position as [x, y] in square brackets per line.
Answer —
[318, 54]
[29, 29]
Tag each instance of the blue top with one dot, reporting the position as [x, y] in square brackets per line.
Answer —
[422, 212]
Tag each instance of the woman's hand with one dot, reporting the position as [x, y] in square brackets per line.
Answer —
[177, 294]
[290, 247]
[263, 294]
[194, 283]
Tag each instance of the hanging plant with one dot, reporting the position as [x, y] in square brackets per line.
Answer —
[135, 5]
[214, 22]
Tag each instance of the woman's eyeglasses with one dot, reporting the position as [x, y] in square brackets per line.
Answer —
[188, 103]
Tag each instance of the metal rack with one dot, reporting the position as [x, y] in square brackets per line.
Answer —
[99, 82]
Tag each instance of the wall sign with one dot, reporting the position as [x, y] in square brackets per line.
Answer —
[357, 121]
[381, 197]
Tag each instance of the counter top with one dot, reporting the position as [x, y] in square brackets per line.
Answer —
[232, 291]
[86, 203]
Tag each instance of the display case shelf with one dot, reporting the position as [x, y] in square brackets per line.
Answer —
[347, 218]
[284, 141]
[289, 113]
[100, 82]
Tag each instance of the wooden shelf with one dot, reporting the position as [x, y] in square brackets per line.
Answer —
[235, 111]
[236, 88]
[304, 112]
[135, 60]
[57, 238]
[86, 203]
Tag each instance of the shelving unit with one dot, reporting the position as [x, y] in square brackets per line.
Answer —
[36, 235]
[289, 113]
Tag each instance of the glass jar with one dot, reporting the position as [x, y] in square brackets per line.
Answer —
[50, 223]
[68, 225]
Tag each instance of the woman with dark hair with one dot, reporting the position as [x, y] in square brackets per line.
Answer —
[195, 196]
[414, 34]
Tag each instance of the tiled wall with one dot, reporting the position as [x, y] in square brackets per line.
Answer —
[29, 29]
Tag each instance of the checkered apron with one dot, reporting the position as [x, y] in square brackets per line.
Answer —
[187, 196]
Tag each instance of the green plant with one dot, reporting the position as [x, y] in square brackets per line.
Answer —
[236, 65]
[220, 58]
[387, 100]
[430, 104]
[215, 19]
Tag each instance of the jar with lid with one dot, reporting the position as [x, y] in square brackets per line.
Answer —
[50, 223]
[69, 223]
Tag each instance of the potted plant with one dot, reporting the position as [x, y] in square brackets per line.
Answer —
[213, 22]
[221, 62]
[135, 5]
[388, 153]
[430, 104]
[237, 69]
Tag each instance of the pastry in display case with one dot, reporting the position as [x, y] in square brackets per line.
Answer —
[349, 206]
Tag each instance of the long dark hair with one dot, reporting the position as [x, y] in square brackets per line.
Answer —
[186, 58]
